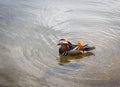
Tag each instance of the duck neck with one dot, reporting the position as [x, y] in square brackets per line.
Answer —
[64, 48]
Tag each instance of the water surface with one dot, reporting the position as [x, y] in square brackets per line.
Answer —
[30, 30]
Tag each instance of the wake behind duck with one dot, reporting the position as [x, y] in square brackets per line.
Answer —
[67, 48]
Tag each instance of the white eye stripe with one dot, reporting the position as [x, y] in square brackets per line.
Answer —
[64, 42]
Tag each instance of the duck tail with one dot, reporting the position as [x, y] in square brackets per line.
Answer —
[88, 48]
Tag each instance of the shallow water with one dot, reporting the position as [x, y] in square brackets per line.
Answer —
[30, 30]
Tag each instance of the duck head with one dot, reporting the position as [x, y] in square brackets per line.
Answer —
[63, 42]
[64, 46]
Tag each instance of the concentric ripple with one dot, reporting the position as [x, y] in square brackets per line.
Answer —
[30, 30]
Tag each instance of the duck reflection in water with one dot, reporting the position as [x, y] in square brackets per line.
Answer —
[66, 59]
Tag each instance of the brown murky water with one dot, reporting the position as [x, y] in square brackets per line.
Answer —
[30, 30]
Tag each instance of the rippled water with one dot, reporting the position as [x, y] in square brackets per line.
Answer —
[30, 30]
